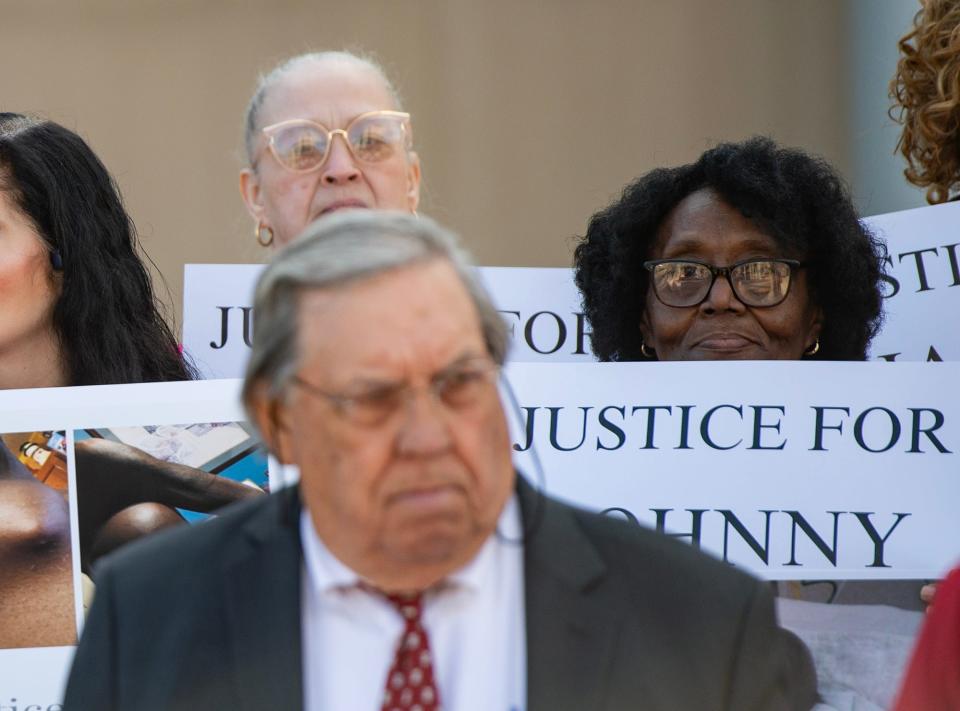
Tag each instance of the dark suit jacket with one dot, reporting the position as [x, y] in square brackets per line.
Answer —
[618, 617]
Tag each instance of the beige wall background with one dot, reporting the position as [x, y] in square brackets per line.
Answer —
[528, 116]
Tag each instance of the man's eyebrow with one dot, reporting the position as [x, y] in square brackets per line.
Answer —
[375, 382]
[460, 360]
[371, 382]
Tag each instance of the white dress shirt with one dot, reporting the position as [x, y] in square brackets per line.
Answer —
[475, 623]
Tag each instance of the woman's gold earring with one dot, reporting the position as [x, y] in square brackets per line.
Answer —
[647, 351]
[258, 233]
[814, 349]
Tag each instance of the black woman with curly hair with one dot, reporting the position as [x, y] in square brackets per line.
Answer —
[752, 252]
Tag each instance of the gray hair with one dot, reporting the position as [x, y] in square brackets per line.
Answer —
[251, 120]
[338, 250]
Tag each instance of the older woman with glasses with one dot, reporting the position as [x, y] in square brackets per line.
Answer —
[323, 132]
[753, 252]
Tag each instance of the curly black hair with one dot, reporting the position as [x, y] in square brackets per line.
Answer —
[797, 199]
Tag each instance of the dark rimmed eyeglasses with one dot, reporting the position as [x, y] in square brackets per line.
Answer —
[755, 282]
[457, 388]
[302, 145]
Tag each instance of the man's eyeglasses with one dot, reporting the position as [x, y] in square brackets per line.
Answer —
[755, 282]
[457, 388]
[302, 145]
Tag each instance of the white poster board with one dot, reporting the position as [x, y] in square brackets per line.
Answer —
[923, 284]
[33, 677]
[797, 470]
[218, 316]
[791, 470]
[542, 306]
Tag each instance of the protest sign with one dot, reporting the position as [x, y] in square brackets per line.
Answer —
[922, 270]
[791, 470]
[542, 306]
[84, 469]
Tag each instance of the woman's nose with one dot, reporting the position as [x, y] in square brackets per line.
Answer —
[341, 167]
[721, 297]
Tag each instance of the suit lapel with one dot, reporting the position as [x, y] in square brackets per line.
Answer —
[262, 603]
[570, 637]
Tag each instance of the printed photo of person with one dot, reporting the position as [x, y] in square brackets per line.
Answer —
[134, 481]
[36, 568]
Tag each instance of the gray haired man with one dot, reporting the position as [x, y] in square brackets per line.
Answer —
[411, 568]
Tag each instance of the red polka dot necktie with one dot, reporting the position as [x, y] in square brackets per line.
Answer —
[410, 683]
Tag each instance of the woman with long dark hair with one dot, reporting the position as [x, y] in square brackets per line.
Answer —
[76, 308]
[90, 316]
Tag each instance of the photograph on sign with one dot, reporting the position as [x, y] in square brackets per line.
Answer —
[133, 481]
[122, 461]
[36, 567]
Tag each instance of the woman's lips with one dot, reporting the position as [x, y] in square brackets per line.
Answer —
[725, 342]
[341, 205]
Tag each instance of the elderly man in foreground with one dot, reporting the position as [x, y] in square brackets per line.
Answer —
[411, 568]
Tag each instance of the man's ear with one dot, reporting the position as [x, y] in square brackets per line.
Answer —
[251, 193]
[413, 180]
[270, 416]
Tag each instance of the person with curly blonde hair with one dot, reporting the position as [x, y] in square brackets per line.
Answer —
[926, 89]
